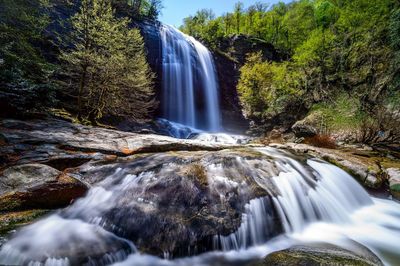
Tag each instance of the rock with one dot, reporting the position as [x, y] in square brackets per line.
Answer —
[210, 191]
[394, 182]
[32, 186]
[40, 137]
[304, 128]
[320, 256]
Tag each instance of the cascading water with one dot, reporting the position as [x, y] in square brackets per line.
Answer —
[184, 60]
[314, 201]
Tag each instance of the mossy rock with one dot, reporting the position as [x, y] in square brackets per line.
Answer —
[12, 220]
[319, 256]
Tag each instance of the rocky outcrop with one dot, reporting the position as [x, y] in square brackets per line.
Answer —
[132, 175]
[65, 145]
[320, 256]
[305, 128]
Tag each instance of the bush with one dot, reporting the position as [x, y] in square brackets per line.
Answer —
[322, 141]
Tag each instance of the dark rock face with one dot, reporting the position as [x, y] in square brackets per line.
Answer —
[316, 256]
[229, 56]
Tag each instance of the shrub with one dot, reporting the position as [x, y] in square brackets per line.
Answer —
[322, 141]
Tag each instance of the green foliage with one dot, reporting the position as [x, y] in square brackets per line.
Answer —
[24, 72]
[139, 9]
[266, 88]
[347, 47]
[342, 113]
[107, 65]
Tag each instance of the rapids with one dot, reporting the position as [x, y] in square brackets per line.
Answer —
[317, 203]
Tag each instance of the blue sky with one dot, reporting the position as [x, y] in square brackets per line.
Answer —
[175, 10]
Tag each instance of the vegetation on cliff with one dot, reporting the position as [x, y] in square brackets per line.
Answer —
[343, 61]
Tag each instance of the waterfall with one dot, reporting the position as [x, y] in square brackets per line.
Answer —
[185, 60]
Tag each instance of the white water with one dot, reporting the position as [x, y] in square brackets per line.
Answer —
[178, 87]
[316, 202]
[181, 57]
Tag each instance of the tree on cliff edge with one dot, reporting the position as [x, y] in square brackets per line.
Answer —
[107, 64]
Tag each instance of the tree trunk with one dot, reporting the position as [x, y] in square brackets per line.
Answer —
[82, 84]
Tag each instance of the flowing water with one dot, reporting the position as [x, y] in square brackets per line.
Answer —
[185, 61]
[316, 203]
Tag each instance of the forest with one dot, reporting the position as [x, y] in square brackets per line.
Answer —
[146, 133]
[340, 60]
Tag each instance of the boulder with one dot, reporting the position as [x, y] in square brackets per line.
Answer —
[176, 202]
[320, 256]
[37, 186]
[394, 182]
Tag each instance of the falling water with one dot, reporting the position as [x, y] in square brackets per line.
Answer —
[184, 59]
[178, 88]
[210, 86]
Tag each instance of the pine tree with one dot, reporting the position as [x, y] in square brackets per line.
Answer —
[107, 64]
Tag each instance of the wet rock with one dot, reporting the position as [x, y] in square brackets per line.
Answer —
[394, 181]
[176, 202]
[37, 186]
[320, 256]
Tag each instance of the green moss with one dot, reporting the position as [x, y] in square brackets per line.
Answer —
[10, 202]
[12, 220]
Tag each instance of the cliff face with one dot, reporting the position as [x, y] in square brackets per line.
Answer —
[230, 56]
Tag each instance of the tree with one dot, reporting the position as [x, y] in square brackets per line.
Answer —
[238, 15]
[154, 10]
[24, 71]
[107, 64]
[267, 88]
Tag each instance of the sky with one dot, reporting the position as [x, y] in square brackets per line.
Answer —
[176, 10]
